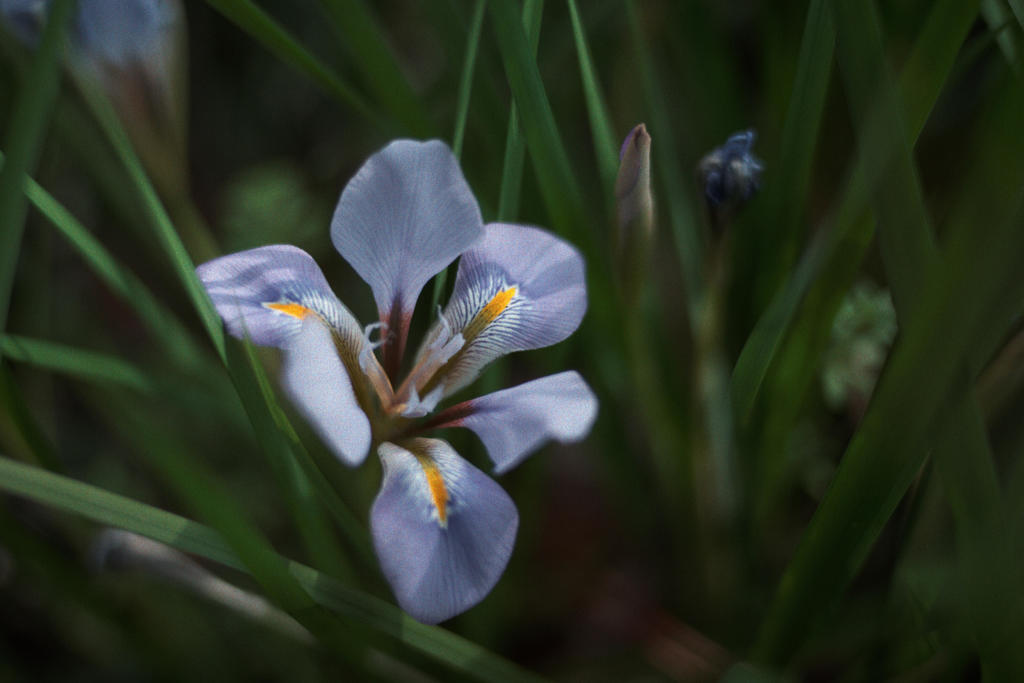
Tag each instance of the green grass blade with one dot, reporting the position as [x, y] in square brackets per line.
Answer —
[158, 216]
[262, 28]
[169, 452]
[682, 214]
[362, 37]
[834, 256]
[86, 365]
[515, 144]
[255, 405]
[997, 14]
[912, 262]
[787, 196]
[246, 541]
[162, 324]
[963, 457]
[966, 467]
[20, 429]
[278, 438]
[600, 121]
[888, 449]
[186, 535]
[1017, 7]
[466, 82]
[906, 238]
[461, 112]
[264, 414]
[24, 139]
[551, 164]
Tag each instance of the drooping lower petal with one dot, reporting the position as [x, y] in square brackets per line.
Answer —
[403, 218]
[518, 288]
[319, 385]
[265, 294]
[442, 529]
[515, 422]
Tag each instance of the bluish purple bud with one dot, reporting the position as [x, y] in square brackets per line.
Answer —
[731, 174]
[24, 18]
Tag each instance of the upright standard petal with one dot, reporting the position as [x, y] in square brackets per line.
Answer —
[266, 293]
[515, 422]
[403, 218]
[443, 530]
[319, 385]
[518, 288]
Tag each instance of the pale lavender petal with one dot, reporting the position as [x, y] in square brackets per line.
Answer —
[403, 218]
[518, 288]
[515, 422]
[265, 293]
[441, 549]
[318, 384]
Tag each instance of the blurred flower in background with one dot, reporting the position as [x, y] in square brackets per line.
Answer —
[730, 175]
[442, 529]
[863, 332]
[135, 50]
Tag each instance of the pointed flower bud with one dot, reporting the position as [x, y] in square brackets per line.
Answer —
[730, 175]
[633, 185]
[635, 209]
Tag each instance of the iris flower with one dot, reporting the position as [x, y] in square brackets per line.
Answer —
[443, 530]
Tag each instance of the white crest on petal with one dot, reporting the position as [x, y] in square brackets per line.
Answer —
[439, 565]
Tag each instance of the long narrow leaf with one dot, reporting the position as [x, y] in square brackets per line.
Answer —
[24, 140]
[597, 109]
[184, 534]
[550, 160]
[87, 365]
[888, 449]
[267, 32]
[787, 193]
[362, 37]
[515, 145]
[163, 325]
[921, 81]
[466, 82]
[157, 214]
[913, 264]
[963, 458]
[282, 444]
[461, 112]
[683, 216]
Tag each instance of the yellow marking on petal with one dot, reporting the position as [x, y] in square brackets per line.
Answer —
[488, 313]
[438, 492]
[294, 310]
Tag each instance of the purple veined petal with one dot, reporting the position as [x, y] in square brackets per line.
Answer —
[515, 422]
[266, 292]
[319, 386]
[403, 218]
[518, 288]
[442, 529]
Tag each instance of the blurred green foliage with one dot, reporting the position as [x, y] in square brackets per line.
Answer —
[792, 474]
